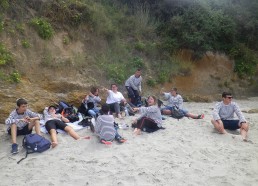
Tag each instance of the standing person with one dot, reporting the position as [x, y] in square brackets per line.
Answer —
[56, 121]
[115, 99]
[134, 88]
[223, 116]
[150, 119]
[91, 102]
[176, 100]
[105, 128]
[21, 122]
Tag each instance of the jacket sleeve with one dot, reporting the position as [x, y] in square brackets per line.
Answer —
[180, 102]
[131, 83]
[215, 113]
[11, 119]
[239, 113]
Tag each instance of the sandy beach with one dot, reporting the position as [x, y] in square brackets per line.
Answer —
[188, 152]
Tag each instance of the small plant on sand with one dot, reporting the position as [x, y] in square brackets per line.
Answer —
[25, 44]
[15, 77]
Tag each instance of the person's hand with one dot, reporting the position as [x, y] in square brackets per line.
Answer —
[135, 121]
[136, 109]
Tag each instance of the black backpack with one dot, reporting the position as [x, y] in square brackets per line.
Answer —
[67, 111]
[177, 113]
[34, 143]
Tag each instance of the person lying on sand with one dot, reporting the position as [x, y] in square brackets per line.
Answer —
[223, 116]
[57, 121]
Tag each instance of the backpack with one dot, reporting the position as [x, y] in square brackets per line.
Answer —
[177, 113]
[68, 111]
[34, 143]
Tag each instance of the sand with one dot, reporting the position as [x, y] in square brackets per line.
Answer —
[187, 152]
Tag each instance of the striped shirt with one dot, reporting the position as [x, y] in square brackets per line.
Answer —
[93, 99]
[134, 82]
[104, 127]
[152, 112]
[226, 112]
[174, 100]
[15, 118]
[48, 116]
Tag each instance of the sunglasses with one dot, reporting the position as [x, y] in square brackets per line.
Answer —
[229, 97]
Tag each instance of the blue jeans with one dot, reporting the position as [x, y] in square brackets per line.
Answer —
[93, 112]
[117, 136]
[171, 108]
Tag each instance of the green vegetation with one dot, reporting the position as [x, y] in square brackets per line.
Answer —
[5, 56]
[44, 29]
[14, 77]
[140, 34]
[25, 44]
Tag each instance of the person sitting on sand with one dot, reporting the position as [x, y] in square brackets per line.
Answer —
[105, 128]
[94, 99]
[21, 122]
[174, 99]
[115, 99]
[223, 116]
[56, 121]
[150, 119]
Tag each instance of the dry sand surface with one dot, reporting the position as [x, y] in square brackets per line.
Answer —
[187, 152]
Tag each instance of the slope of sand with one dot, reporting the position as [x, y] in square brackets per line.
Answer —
[187, 152]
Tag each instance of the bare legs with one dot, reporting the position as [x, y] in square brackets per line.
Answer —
[70, 131]
[220, 128]
[243, 131]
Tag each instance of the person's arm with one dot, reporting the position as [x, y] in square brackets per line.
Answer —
[32, 116]
[64, 119]
[140, 85]
[239, 113]
[131, 83]
[215, 113]
[11, 119]
[180, 102]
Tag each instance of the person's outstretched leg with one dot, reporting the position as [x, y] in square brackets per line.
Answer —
[73, 134]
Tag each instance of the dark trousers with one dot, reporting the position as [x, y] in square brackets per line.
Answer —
[147, 125]
[133, 95]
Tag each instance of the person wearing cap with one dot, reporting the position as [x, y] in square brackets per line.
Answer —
[175, 100]
[223, 116]
[134, 88]
[56, 121]
[21, 122]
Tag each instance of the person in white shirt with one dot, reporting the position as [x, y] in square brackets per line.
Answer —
[223, 116]
[115, 99]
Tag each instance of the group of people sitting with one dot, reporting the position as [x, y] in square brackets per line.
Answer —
[22, 120]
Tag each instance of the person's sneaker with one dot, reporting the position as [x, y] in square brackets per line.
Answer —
[14, 148]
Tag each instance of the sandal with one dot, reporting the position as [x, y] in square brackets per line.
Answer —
[200, 116]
